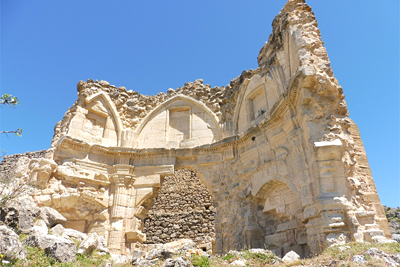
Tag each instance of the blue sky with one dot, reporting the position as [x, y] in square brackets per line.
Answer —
[149, 46]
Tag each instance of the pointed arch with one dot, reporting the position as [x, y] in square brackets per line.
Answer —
[173, 99]
[192, 120]
[113, 110]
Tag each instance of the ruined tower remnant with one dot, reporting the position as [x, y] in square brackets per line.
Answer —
[284, 164]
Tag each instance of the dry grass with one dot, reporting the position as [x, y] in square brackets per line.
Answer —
[331, 257]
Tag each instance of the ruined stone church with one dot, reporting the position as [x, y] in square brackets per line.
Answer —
[270, 160]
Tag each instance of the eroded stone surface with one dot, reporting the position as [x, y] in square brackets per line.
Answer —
[284, 164]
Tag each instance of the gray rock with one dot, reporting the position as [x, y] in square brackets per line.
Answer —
[396, 237]
[158, 254]
[137, 254]
[10, 246]
[177, 262]
[57, 230]
[39, 241]
[373, 251]
[51, 217]
[57, 247]
[291, 256]
[62, 251]
[360, 259]
[119, 259]
[396, 258]
[382, 240]
[71, 233]
[40, 228]
[144, 262]
[45, 241]
[390, 261]
[20, 214]
[92, 242]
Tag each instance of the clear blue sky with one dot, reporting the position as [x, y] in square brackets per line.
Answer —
[149, 46]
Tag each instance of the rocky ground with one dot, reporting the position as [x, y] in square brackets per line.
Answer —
[33, 236]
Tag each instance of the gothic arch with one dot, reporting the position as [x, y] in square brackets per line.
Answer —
[111, 106]
[97, 121]
[186, 109]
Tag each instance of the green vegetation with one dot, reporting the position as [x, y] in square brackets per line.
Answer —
[228, 257]
[253, 259]
[269, 258]
[200, 261]
[10, 101]
[37, 257]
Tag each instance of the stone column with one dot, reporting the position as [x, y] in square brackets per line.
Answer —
[122, 207]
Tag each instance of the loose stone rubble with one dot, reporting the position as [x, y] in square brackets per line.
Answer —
[283, 163]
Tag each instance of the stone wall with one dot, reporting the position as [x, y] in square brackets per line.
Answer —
[182, 209]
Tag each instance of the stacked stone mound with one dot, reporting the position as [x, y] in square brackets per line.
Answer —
[183, 209]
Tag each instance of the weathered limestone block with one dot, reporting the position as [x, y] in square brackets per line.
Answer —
[10, 246]
[51, 216]
[92, 242]
[20, 214]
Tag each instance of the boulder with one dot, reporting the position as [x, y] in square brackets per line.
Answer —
[45, 241]
[119, 259]
[396, 237]
[382, 240]
[144, 262]
[40, 228]
[238, 263]
[57, 230]
[360, 259]
[177, 262]
[72, 233]
[55, 246]
[51, 217]
[10, 246]
[291, 256]
[62, 251]
[137, 254]
[92, 242]
[166, 252]
[20, 214]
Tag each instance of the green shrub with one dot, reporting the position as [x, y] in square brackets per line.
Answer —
[228, 257]
[200, 261]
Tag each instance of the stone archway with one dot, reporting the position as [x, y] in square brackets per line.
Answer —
[284, 227]
[183, 209]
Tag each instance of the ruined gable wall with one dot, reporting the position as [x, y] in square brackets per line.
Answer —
[289, 171]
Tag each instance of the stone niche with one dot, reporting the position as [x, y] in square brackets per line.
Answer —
[179, 123]
[276, 150]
